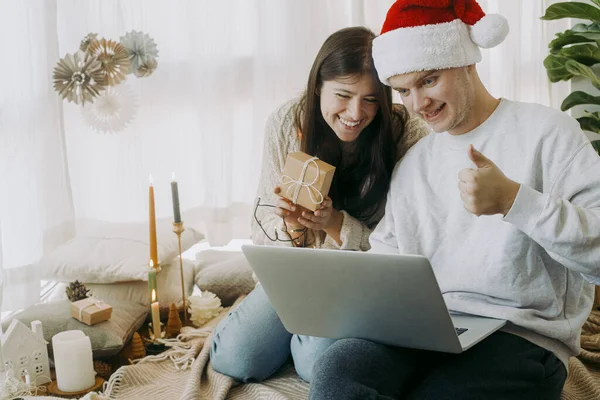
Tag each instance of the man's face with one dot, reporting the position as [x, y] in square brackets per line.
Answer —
[443, 98]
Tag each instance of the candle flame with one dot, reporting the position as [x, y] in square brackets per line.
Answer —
[153, 295]
[151, 263]
[172, 176]
[150, 179]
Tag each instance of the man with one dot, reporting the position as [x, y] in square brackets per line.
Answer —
[504, 200]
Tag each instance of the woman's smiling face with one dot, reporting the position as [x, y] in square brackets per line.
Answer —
[349, 105]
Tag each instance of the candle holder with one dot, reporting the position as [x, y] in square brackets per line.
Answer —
[151, 335]
[154, 348]
[155, 267]
[178, 229]
[53, 389]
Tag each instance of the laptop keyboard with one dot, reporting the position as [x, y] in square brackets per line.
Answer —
[460, 330]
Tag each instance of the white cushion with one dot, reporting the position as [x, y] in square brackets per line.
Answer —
[107, 253]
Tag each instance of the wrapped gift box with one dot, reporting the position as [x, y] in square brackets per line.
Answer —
[306, 181]
[91, 311]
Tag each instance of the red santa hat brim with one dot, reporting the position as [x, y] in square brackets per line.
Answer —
[424, 48]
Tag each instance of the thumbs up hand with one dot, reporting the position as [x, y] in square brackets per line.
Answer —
[485, 190]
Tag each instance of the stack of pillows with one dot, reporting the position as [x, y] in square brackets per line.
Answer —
[112, 261]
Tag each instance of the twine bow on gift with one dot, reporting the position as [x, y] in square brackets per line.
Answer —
[296, 185]
[91, 302]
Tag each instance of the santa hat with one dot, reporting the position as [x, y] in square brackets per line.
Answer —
[425, 35]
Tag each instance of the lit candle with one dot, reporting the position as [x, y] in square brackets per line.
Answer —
[151, 281]
[155, 316]
[152, 217]
[73, 361]
[175, 197]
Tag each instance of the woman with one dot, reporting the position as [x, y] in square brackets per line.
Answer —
[346, 119]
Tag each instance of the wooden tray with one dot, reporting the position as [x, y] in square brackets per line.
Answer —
[55, 391]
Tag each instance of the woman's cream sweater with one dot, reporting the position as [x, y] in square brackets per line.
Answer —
[281, 138]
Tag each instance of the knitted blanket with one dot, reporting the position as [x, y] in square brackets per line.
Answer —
[583, 381]
[185, 373]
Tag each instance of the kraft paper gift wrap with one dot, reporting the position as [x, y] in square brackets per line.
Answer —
[306, 180]
[90, 311]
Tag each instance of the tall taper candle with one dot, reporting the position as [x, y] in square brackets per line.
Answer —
[155, 316]
[175, 197]
[151, 281]
[152, 227]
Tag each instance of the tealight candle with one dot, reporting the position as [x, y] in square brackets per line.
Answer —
[73, 361]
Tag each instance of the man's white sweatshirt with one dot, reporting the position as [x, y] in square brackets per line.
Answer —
[527, 266]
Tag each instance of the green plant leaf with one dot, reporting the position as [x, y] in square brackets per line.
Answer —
[579, 33]
[578, 98]
[587, 54]
[567, 38]
[577, 68]
[581, 27]
[572, 10]
[596, 145]
[555, 67]
[589, 124]
[596, 2]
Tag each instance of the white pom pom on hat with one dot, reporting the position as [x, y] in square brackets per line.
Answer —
[489, 31]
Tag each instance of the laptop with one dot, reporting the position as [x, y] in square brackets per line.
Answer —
[386, 298]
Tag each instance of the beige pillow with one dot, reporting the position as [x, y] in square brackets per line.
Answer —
[224, 273]
[168, 281]
[108, 337]
[108, 253]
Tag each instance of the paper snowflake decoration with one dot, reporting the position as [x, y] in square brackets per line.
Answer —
[141, 48]
[114, 59]
[112, 111]
[87, 40]
[79, 78]
[146, 69]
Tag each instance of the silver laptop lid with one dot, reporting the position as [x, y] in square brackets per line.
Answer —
[390, 299]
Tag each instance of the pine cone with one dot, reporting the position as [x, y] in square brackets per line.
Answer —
[103, 369]
[77, 291]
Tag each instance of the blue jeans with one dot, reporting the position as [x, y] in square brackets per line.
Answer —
[250, 344]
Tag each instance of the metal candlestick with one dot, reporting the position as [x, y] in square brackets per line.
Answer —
[178, 229]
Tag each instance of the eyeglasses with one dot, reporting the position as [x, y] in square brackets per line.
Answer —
[276, 238]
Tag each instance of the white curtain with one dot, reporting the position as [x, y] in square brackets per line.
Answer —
[515, 69]
[36, 206]
[223, 66]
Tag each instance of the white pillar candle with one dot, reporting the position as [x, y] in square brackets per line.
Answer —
[73, 361]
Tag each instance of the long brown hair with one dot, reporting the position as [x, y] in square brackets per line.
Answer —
[359, 187]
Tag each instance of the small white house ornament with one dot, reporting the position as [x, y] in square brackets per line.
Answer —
[24, 351]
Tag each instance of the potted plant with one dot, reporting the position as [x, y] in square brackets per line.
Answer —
[573, 53]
